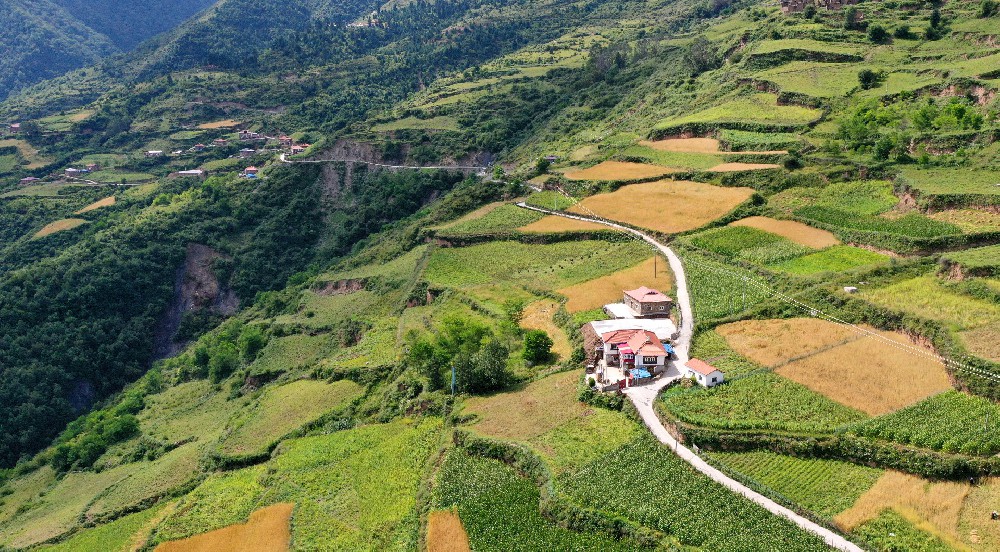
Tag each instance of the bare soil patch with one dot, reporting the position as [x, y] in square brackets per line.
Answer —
[228, 123]
[106, 202]
[268, 530]
[798, 232]
[59, 226]
[620, 170]
[608, 289]
[666, 205]
[445, 532]
[736, 167]
[555, 223]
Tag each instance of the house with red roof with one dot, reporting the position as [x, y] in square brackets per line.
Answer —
[646, 302]
[634, 348]
[702, 372]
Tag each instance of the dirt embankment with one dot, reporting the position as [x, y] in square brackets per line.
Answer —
[196, 288]
[340, 287]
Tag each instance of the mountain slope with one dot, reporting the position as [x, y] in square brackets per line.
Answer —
[127, 23]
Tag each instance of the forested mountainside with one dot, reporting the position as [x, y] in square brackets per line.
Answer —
[43, 39]
[231, 298]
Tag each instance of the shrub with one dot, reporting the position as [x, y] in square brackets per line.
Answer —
[537, 346]
[877, 34]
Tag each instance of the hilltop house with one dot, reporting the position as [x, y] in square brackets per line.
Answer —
[702, 372]
[642, 302]
[299, 148]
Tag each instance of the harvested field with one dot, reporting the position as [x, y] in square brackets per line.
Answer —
[608, 289]
[686, 145]
[800, 233]
[620, 170]
[583, 152]
[665, 206]
[478, 213]
[871, 375]
[969, 220]
[736, 167]
[931, 506]
[538, 316]
[927, 297]
[59, 226]
[983, 342]
[555, 223]
[228, 123]
[974, 523]
[531, 411]
[774, 342]
[268, 530]
[445, 532]
[106, 202]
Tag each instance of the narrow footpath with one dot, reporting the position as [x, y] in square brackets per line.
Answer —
[643, 397]
[481, 170]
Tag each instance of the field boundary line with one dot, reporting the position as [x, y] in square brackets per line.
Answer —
[644, 396]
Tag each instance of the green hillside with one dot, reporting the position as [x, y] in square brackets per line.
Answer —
[355, 330]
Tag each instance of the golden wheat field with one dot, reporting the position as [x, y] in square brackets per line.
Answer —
[773, 342]
[983, 341]
[538, 316]
[619, 170]
[267, 530]
[228, 123]
[534, 409]
[800, 233]
[598, 292]
[871, 375]
[106, 202]
[556, 223]
[665, 206]
[932, 506]
[736, 167]
[445, 532]
[974, 524]
[59, 226]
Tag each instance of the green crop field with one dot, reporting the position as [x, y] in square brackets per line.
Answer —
[928, 298]
[319, 311]
[223, 499]
[744, 140]
[284, 409]
[45, 190]
[434, 123]
[499, 509]
[821, 80]
[953, 181]
[759, 108]
[119, 535]
[670, 496]
[221, 164]
[550, 200]
[952, 422]
[977, 258]
[285, 354]
[769, 46]
[760, 401]
[543, 266]
[722, 289]
[891, 531]
[187, 411]
[862, 197]
[833, 259]
[911, 224]
[150, 480]
[115, 177]
[503, 218]
[826, 487]
[674, 159]
[8, 163]
[749, 244]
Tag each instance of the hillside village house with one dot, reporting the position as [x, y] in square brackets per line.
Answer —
[247, 152]
[73, 173]
[154, 153]
[702, 372]
[198, 147]
[93, 167]
[29, 180]
[285, 140]
[300, 148]
[247, 135]
[219, 142]
[634, 349]
[14, 128]
[251, 172]
[642, 302]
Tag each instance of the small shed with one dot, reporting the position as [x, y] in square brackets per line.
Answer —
[704, 373]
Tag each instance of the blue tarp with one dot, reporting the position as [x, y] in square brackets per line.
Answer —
[668, 348]
[640, 373]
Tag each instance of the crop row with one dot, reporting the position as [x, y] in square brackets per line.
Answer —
[912, 224]
[722, 289]
[949, 422]
[749, 244]
[760, 401]
[646, 483]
